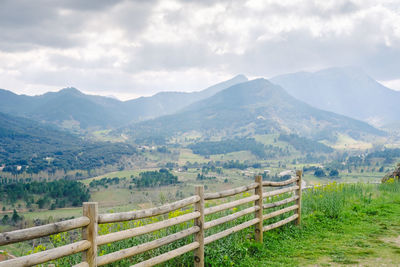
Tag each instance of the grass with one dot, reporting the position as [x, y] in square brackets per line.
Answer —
[186, 155]
[355, 224]
[345, 142]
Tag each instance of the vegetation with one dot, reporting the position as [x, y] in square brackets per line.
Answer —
[28, 146]
[155, 178]
[389, 155]
[105, 182]
[54, 194]
[235, 165]
[226, 146]
[342, 224]
[202, 177]
[304, 144]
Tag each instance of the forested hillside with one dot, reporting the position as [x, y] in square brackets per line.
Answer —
[30, 146]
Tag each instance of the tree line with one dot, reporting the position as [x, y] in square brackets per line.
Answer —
[207, 148]
[155, 178]
[54, 194]
[304, 144]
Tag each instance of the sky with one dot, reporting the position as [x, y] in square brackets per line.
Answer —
[137, 48]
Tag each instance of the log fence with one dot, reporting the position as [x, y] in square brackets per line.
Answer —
[91, 240]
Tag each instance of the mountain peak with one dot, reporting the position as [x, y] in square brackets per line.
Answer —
[70, 90]
[349, 91]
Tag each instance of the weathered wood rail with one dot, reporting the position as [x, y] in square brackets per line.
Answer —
[90, 220]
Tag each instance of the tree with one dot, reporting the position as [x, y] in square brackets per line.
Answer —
[319, 173]
[334, 173]
[5, 219]
[15, 217]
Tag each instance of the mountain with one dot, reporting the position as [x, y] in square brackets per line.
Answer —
[165, 103]
[66, 105]
[253, 107]
[36, 147]
[347, 91]
[71, 108]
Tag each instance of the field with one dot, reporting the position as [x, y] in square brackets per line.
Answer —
[345, 142]
[344, 239]
[122, 198]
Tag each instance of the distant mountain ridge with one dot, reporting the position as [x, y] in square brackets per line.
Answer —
[165, 103]
[70, 106]
[348, 91]
[253, 107]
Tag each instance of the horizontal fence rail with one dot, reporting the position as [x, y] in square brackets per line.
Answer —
[196, 220]
[132, 251]
[48, 255]
[230, 192]
[113, 237]
[140, 214]
[44, 230]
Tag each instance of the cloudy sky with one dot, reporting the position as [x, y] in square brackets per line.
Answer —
[134, 48]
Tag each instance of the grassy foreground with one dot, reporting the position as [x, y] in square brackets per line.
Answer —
[342, 224]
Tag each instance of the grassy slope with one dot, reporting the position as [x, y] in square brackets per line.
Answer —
[366, 233]
[342, 224]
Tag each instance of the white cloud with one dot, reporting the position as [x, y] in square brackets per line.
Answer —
[133, 48]
[392, 84]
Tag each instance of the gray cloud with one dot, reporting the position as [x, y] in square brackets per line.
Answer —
[141, 47]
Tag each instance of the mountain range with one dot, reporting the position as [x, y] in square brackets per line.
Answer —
[70, 107]
[348, 91]
[253, 107]
[317, 105]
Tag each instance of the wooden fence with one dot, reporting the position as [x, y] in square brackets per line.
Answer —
[91, 219]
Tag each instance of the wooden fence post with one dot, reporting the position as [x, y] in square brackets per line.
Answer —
[299, 174]
[90, 210]
[199, 237]
[259, 213]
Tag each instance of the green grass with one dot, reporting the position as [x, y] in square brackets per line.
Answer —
[186, 155]
[355, 224]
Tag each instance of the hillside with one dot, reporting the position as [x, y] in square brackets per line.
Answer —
[35, 147]
[73, 109]
[166, 103]
[254, 107]
[67, 105]
[346, 91]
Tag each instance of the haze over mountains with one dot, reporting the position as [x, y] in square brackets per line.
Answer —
[231, 108]
[348, 91]
[253, 107]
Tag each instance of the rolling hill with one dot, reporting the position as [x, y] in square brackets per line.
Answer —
[70, 108]
[254, 107]
[347, 91]
[36, 147]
